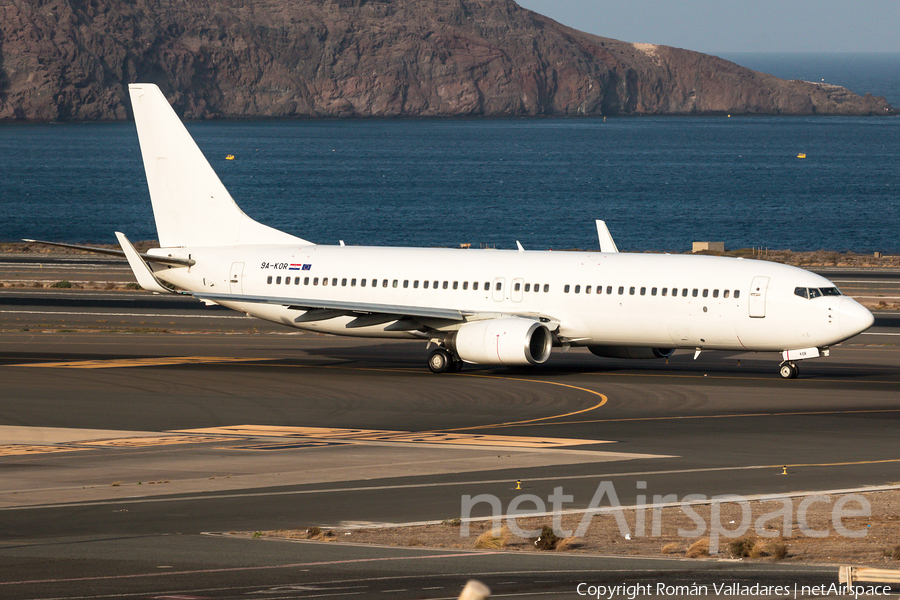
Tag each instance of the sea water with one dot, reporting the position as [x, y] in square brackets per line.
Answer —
[659, 182]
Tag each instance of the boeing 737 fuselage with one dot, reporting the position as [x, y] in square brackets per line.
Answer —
[488, 307]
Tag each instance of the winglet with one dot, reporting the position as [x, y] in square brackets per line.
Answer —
[142, 272]
[606, 242]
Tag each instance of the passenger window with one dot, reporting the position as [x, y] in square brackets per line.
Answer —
[296, 281]
[587, 289]
[395, 283]
[324, 281]
[725, 293]
[631, 290]
[517, 286]
[435, 284]
[344, 282]
[621, 290]
[269, 280]
[362, 282]
[278, 279]
[465, 285]
[684, 292]
[737, 293]
[566, 288]
[577, 289]
[643, 291]
[445, 285]
[374, 283]
[425, 284]
[546, 287]
[695, 293]
[715, 293]
[705, 293]
[405, 283]
[316, 281]
[306, 281]
[527, 287]
[384, 283]
[287, 281]
[475, 285]
[455, 285]
[416, 284]
[609, 289]
[334, 281]
[487, 285]
[664, 291]
[498, 286]
[653, 292]
[353, 282]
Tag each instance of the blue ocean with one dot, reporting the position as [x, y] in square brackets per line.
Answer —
[659, 182]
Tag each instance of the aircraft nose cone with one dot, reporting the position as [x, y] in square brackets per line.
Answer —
[853, 318]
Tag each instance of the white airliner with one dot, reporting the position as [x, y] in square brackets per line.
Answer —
[487, 307]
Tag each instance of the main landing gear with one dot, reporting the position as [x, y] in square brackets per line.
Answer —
[788, 370]
[442, 360]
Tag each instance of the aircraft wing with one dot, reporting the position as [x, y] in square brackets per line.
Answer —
[367, 313]
[337, 308]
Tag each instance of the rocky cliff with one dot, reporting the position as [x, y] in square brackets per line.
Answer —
[72, 60]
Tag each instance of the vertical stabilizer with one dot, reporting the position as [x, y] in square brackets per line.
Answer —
[190, 204]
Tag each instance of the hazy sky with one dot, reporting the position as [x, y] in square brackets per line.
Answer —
[737, 26]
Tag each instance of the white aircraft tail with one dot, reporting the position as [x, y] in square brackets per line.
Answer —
[190, 204]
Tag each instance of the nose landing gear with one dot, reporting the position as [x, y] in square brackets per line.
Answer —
[788, 370]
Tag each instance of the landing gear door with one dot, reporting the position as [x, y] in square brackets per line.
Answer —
[757, 302]
[235, 277]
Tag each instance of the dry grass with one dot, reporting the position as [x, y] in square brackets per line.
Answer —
[672, 548]
[699, 549]
[493, 539]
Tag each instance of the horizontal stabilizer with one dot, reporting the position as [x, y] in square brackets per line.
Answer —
[142, 272]
[160, 260]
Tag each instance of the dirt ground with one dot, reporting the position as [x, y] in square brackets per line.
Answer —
[767, 539]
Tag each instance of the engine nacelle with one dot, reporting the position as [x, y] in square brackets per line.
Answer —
[634, 352]
[506, 341]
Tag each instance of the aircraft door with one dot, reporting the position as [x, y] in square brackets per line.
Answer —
[497, 288]
[237, 274]
[757, 301]
[516, 292]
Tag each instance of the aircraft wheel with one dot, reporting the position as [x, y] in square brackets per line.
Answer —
[788, 371]
[457, 365]
[440, 361]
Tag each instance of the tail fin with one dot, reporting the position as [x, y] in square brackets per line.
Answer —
[190, 204]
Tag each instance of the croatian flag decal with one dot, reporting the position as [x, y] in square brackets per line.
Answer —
[294, 267]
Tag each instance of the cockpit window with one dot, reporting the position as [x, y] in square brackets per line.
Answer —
[816, 292]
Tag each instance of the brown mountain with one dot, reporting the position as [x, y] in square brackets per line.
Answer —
[72, 59]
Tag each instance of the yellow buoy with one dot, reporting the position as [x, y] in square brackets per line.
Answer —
[229, 157]
[801, 155]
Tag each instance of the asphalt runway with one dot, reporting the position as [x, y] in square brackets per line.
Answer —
[137, 431]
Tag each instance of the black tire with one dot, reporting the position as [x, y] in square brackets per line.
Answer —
[786, 371]
[440, 361]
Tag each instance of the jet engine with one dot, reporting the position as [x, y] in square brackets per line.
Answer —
[505, 341]
[631, 352]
